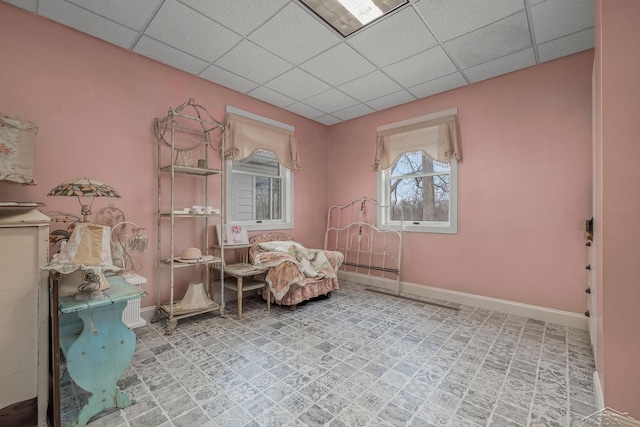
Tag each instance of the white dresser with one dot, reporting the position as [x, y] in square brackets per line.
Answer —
[24, 317]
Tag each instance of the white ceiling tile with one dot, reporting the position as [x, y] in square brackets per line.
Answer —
[305, 111]
[297, 84]
[228, 79]
[449, 19]
[87, 22]
[574, 43]
[388, 40]
[493, 41]
[254, 47]
[421, 68]
[353, 112]
[272, 97]
[185, 29]
[294, 35]
[557, 18]
[328, 120]
[30, 5]
[504, 65]
[242, 16]
[391, 100]
[439, 85]
[330, 101]
[369, 87]
[132, 14]
[168, 55]
[253, 62]
[338, 65]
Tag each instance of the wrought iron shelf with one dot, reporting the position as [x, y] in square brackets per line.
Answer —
[178, 264]
[181, 215]
[191, 170]
[188, 131]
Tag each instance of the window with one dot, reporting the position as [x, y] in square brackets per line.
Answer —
[417, 174]
[259, 190]
[421, 192]
[261, 155]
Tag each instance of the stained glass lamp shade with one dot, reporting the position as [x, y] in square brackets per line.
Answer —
[84, 187]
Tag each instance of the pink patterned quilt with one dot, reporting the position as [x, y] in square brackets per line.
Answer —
[295, 273]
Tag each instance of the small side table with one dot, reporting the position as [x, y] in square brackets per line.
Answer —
[240, 272]
[243, 273]
[97, 358]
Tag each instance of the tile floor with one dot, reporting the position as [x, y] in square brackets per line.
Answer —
[357, 359]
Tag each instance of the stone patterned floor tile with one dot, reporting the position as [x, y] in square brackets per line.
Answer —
[357, 359]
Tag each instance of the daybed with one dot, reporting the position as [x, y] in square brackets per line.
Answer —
[295, 274]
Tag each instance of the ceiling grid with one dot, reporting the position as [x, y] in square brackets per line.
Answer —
[282, 53]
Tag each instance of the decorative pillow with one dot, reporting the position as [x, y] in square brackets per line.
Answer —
[265, 237]
[17, 141]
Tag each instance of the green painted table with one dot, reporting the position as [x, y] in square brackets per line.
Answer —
[100, 354]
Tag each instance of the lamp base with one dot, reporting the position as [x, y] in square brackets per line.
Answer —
[76, 284]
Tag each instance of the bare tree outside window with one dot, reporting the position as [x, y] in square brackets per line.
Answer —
[419, 188]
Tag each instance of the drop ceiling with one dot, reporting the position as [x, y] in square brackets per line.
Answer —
[280, 52]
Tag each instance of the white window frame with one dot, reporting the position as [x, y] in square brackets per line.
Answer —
[286, 223]
[383, 191]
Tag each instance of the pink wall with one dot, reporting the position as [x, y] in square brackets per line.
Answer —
[524, 185]
[95, 103]
[617, 203]
[525, 181]
[524, 189]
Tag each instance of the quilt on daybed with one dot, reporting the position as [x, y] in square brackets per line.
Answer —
[296, 264]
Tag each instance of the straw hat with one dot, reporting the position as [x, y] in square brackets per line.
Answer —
[193, 255]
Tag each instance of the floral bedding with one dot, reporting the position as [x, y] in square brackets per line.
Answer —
[295, 273]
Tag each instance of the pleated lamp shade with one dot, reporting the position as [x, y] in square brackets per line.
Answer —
[84, 260]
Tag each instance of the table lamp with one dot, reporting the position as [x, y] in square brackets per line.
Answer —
[84, 187]
[83, 261]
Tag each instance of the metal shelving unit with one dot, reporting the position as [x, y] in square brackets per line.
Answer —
[202, 133]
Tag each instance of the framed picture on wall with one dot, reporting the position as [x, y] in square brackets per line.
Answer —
[232, 235]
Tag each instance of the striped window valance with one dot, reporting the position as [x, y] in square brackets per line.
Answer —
[438, 138]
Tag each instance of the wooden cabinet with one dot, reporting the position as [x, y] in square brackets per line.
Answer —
[24, 318]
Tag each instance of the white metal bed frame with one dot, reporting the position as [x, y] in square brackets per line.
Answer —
[352, 229]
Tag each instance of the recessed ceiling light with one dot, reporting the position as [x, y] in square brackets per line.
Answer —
[348, 16]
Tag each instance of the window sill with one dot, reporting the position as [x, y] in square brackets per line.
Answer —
[436, 229]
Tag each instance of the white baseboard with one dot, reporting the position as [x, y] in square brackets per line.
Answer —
[148, 313]
[597, 391]
[565, 318]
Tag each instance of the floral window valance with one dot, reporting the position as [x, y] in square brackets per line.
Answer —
[246, 135]
[438, 138]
